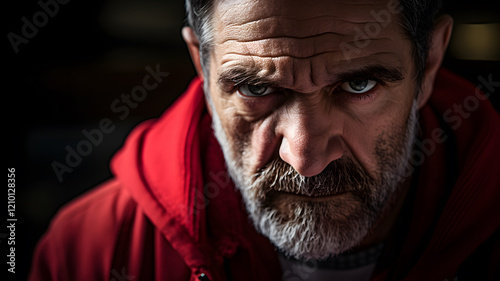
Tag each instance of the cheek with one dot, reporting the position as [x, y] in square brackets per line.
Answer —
[251, 137]
[364, 133]
[256, 109]
[360, 139]
[250, 129]
[263, 145]
[254, 143]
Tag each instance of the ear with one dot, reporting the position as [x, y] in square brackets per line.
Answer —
[194, 48]
[439, 42]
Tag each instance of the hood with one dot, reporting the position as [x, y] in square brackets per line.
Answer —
[160, 165]
[174, 169]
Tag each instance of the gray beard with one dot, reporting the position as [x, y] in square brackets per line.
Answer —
[306, 229]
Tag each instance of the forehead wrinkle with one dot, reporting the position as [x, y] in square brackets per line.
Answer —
[273, 19]
[294, 47]
[244, 40]
[243, 11]
[283, 55]
[292, 18]
[280, 27]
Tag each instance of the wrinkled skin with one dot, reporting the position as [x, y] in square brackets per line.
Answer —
[310, 116]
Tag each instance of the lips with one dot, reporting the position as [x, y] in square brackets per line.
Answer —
[310, 192]
[313, 196]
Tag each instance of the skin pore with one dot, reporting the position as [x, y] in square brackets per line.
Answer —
[316, 141]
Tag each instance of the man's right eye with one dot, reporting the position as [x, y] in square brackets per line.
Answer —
[255, 90]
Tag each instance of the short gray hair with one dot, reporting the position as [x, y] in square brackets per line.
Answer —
[198, 17]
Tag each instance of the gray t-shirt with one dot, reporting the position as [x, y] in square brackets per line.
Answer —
[356, 266]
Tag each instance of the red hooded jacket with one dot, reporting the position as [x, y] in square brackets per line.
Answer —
[172, 212]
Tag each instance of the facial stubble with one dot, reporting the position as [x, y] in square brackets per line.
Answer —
[327, 214]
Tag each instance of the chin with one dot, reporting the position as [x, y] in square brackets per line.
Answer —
[313, 228]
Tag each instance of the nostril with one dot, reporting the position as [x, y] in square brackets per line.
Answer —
[304, 162]
[284, 150]
[312, 169]
[309, 159]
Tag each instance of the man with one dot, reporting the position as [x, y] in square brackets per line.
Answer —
[346, 155]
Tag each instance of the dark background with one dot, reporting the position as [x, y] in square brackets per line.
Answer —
[90, 52]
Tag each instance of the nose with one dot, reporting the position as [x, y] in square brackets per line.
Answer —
[311, 140]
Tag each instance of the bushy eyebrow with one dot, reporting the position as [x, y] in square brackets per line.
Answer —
[377, 71]
[243, 75]
[250, 75]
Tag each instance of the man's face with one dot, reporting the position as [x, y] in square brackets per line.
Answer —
[316, 126]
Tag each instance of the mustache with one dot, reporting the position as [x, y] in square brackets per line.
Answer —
[340, 176]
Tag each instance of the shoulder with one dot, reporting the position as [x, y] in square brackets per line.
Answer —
[464, 108]
[81, 238]
[105, 205]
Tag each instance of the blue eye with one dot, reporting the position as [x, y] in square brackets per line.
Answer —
[358, 86]
[255, 90]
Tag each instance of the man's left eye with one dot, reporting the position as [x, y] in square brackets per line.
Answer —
[255, 90]
[358, 86]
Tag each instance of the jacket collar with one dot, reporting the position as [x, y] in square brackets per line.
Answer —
[160, 166]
